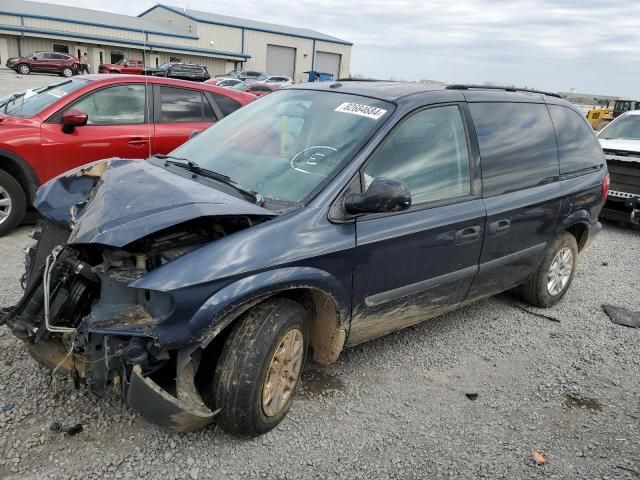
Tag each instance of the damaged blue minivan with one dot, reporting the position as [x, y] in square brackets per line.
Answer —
[315, 218]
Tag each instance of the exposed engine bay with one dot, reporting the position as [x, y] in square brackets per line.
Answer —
[79, 316]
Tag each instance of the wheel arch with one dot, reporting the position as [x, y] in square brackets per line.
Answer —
[20, 170]
[317, 291]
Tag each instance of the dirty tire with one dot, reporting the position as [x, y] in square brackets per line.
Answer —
[244, 363]
[534, 291]
[11, 192]
[24, 69]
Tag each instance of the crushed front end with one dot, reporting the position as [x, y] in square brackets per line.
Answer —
[81, 314]
[79, 317]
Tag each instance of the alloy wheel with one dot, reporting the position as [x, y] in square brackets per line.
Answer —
[283, 373]
[560, 271]
[5, 204]
[24, 69]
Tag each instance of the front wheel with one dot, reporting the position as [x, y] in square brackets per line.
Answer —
[66, 72]
[259, 368]
[13, 203]
[554, 275]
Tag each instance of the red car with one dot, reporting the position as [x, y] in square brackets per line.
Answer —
[257, 89]
[45, 62]
[133, 67]
[53, 129]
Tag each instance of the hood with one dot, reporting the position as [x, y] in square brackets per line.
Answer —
[620, 144]
[116, 202]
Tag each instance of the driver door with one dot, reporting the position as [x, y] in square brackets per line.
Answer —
[412, 265]
[117, 126]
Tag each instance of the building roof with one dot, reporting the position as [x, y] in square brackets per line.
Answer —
[216, 19]
[84, 15]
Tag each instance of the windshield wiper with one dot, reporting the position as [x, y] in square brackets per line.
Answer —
[11, 99]
[192, 166]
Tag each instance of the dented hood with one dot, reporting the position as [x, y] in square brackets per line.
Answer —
[115, 202]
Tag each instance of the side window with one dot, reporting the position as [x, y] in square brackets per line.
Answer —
[429, 153]
[227, 105]
[119, 105]
[180, 105]
[517, 146]
[48, 56]
[577, 144]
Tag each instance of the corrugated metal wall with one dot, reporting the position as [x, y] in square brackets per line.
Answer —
[211, 37]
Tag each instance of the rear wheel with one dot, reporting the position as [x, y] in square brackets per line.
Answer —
[259, 368]
[66, 72]
[24, 69]
[13, 203]
[554, 276]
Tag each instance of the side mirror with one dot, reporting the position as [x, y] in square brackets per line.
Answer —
[383, 195]
[73, 118]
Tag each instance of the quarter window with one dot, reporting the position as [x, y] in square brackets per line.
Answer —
[577, 144]
[517, 146]
[429, 153]
[119, 105]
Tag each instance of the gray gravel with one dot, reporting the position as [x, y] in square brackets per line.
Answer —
[391, 408]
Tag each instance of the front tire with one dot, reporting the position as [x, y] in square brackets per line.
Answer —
[554, 275]
[24, 69]
[259, 368]
[13, 203]
[66, 72]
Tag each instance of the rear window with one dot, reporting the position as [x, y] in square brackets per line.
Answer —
[227, 105]
[517, 146]
[578, 146]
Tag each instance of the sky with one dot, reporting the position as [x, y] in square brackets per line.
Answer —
[591, 46]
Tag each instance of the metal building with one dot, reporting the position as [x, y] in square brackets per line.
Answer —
[164, 33]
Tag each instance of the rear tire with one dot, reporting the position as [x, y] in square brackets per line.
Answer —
[254, 383]
[23, 69]
[554, 275]
[13, 203]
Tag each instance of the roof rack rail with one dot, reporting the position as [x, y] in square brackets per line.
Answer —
[506, 89]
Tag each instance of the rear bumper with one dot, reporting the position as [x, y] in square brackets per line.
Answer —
[624, 210]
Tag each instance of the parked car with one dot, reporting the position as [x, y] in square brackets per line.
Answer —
[227, 82]
[274, 80]
[240, 74]
[621, 143]
[45, 62]
[317, 218]
[257, 89]
[88, 118]
[133, 67]
[182, 71]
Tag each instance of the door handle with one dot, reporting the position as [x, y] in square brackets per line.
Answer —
[468, 235]
[499, 227]
[138, 141]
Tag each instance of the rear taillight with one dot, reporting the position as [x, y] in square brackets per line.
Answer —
[606, 181]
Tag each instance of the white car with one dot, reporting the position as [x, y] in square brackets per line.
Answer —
[225, 82]
[620, 141]
[272, 80]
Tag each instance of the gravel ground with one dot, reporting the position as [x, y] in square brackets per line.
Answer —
[391, 408]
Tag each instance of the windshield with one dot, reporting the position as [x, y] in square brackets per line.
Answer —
[164, 66]
[262, 77]
[287, 144]
[239, 86]
[624, 127]
[28, 106]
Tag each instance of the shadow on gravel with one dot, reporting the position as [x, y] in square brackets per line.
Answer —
[315, 383]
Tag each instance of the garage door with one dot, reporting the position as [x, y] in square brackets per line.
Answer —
[281, 60]
[328, 63]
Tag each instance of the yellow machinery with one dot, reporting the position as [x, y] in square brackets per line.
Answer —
[599, 117]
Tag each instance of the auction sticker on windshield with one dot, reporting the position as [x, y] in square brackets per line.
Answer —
[362, 110]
